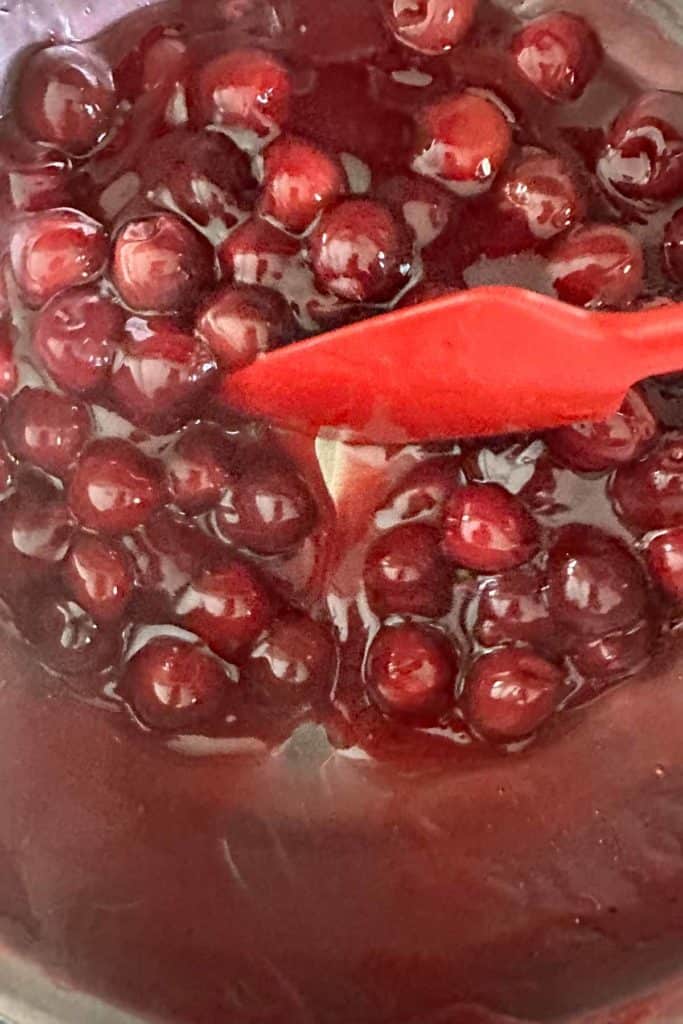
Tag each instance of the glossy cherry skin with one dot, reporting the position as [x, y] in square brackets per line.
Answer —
[244, 89]
[513, 608]
[242, 321]
[594, 447]
[648, 494]
[160, 378]
[47, 429]
[487, 529]
[423, 492]
[643, 159]
[35, 532]
[38, 181]
[200, 468]
[99, 575]
[67, 638]
[614, 656]
[75, 338]
[228, 606]
[360, 252]
[596, 586]
[423, 205]
[268, 509]
[7, 470]
[161, 264]
[65, 97]
[673, 247]
[299, 181]
[8, 366]
[52, 251]
[597, 265]
[292, 662]
[411, 672]
[559, 54]
[464, 140]
[258, 253]
[174, 685]
[539, 197]
[665, 562]
[430, 26]
[406, 573]
[115, 487]
[510, 693]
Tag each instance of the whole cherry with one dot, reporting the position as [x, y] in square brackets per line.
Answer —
[487, 529]
[510, 693]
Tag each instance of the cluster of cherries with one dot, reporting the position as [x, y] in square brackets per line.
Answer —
[172, 215]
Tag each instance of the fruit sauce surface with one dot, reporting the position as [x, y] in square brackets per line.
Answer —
[292, 730]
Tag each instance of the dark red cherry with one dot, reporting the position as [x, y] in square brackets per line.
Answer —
[406, 573]
[673, 247]
[244, 89]
[665, 562]
[75, 338]
[615, 655]
[55, 250]
[643, 159]
[200, 468]
[161, 264]
[8, 366]
[293, 661]
[487, 529]
[592, 447]
[258, 253]
[7, 470]
[268, 509]
[242, 321]
[464, 140]
[115, 487]
[174, 685]
[299, 180]
[160, 378]
[38, 180]
[597, 265]
[169, 551]
[596, 586]
[559, 53]
[411, 671]
[66, 637]
[648, 494]
[513, 608]
[509, 694]
[35, 532]
[100, 576]
[422, 494]
[360, 252]
[65, 97]
[47, 429]
[538, 196]
[431, 26]
[423, 205]
[228, 606]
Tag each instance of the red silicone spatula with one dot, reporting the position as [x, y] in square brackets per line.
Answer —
[485, 361]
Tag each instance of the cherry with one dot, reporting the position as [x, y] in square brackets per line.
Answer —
[55, 250]
[7, 470]
[431, 26]
[160, 378]
[649, 494]
[422, 494]
[65, 97]
[593, 447]
[169, 551]
[509, 694]
[538, 198]
[174, 685]
[615, 655]
[161, 264]
[100, 577]
[35, 532]
[39, 181]
[268, 509]
[67, 639]
[200, 467]
[228, 606]
[487, 529]
[596, 586]
[406, 573]
[75, 338]
[292, 661]
[665, 562]
[115, 488]
[514, 608]
[258, 253]
[411, 671]
[242, 321]
[423, 205]
[597, 265]
[559, 54]
[643, 159]
[8, 366]
[47, 429]
[673, 247]
[299, 180]
[359, 252]
[244, 89]
[131, 73]
[464, 140]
